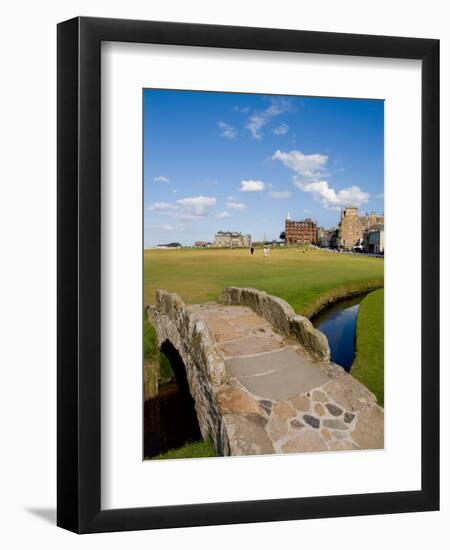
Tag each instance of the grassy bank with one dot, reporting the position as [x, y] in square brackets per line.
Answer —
[368, 366]
[307, 280]
[151, 349]
[199, 449]
[153, 356]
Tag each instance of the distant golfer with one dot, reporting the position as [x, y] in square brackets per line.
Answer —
[266, 251]
[252, 250]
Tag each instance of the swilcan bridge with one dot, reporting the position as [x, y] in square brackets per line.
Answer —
[261, 377]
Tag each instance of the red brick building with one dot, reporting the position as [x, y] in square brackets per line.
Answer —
[301, 232]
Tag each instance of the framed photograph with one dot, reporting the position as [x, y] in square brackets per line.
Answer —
[248, 288]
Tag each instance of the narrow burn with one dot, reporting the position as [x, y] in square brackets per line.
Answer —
[170, 419]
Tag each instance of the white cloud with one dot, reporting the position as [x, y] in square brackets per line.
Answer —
[308, 166]
[309, 169]
[162, 206]
[259, 119]
[251, 186]
[189, 208]
[329, 198]
[224, 215]
[234, 205]
[280, 194]
[227, 130]
[237, 109]
[197, 206]
[281, 130]
[162, 179]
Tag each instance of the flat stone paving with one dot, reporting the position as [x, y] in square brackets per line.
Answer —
[277, 399]
[277, 375]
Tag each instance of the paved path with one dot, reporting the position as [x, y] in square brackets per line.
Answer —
[278, 399]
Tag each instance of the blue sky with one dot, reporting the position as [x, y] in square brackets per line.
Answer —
[221, 161]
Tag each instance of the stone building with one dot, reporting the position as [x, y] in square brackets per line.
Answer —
[334, 238]
[350, 228]
[355, 229]
[325, 237]
[232, 239]
[300, 232]
[368, 220]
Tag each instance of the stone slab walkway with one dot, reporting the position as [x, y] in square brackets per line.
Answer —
[279, 375]
[277, 399]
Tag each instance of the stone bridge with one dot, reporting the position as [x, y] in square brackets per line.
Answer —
[262, 379]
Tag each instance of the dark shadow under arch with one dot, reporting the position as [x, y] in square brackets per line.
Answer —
[170, 420]
[178, 367]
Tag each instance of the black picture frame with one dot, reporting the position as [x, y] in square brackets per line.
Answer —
[79, 280]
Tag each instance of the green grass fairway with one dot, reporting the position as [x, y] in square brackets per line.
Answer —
[368, 366]
[199, 449]
[306, 280]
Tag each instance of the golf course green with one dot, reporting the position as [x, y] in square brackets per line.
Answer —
[307, 278]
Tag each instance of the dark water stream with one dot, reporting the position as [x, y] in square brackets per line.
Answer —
[170, 420]
[338, 323]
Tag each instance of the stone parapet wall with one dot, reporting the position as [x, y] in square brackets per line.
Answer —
[151, 375]
[205, 369]
[282, 317]
[261, 378]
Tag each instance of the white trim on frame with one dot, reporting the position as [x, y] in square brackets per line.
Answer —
[127, 481]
